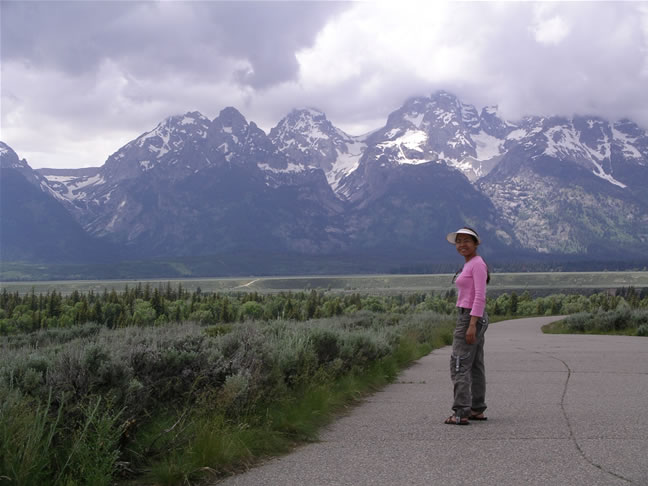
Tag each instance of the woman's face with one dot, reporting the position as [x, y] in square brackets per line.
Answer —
[466, 246]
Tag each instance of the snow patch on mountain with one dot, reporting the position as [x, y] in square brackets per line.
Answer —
[145, 165]
[602, 150]
[411, 139]
[564, 143]
[346, 162]
[61, 179]
[445, 117]
[47, 189]
[407, 148]
[517, 134]
[70, 187]
[628, 149]
[487, 146]
[158, 132]
[464, 165]
[603, 175]
[105, 198]
[291, 168]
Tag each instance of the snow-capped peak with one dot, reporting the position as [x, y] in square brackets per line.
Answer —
[309, 140]
[309, 122]
[191, 125]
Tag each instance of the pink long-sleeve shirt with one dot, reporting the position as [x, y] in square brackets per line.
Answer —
[471, 286]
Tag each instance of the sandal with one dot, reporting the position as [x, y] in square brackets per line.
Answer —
[477, 416]
[454, 420]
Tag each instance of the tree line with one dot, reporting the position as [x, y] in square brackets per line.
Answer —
[144, 305]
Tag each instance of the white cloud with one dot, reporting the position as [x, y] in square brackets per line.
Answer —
[551, 31]
[528, 58]
[549, 28]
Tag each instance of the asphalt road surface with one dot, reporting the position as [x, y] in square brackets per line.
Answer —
[562, 410]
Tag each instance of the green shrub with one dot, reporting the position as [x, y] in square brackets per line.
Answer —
[251, 310]
[577, 322]
[218, 330]
[620, 320]
[234, 397]
[325, 344]
[144, 313]
[639, 318]
[48, 337]
[362, 347]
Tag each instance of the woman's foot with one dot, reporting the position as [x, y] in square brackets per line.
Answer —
[454, 420]
[477, 416]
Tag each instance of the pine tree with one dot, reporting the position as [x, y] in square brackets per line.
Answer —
[513, 305]
[157, 303]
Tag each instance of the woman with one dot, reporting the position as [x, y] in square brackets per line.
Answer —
[467, 360]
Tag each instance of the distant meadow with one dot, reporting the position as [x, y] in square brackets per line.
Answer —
[535, 282]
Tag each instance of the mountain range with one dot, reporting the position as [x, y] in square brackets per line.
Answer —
[540, 187]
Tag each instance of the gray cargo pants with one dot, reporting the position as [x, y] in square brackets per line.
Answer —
[467, 366]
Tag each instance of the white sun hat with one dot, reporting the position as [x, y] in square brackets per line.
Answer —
[452, 237]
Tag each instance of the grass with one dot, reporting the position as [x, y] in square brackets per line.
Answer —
[33, 440]
[26, 436]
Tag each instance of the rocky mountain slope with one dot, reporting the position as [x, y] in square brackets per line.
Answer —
[194, 186]
[34, 225]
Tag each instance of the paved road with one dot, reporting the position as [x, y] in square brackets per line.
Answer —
[563, 410]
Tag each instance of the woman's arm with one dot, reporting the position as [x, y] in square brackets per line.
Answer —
[480, 274]
[471, 333]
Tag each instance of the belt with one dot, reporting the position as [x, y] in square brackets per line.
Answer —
[463, 310]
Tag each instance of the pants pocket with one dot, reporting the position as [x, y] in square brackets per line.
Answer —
[457, 361]
[482, 325]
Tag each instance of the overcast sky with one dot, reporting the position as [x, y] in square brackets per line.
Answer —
[82, 78]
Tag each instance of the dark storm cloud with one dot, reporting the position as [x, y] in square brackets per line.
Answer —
[150, 39]
[269, 34]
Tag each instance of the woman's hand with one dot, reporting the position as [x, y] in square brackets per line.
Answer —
[471, 333]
